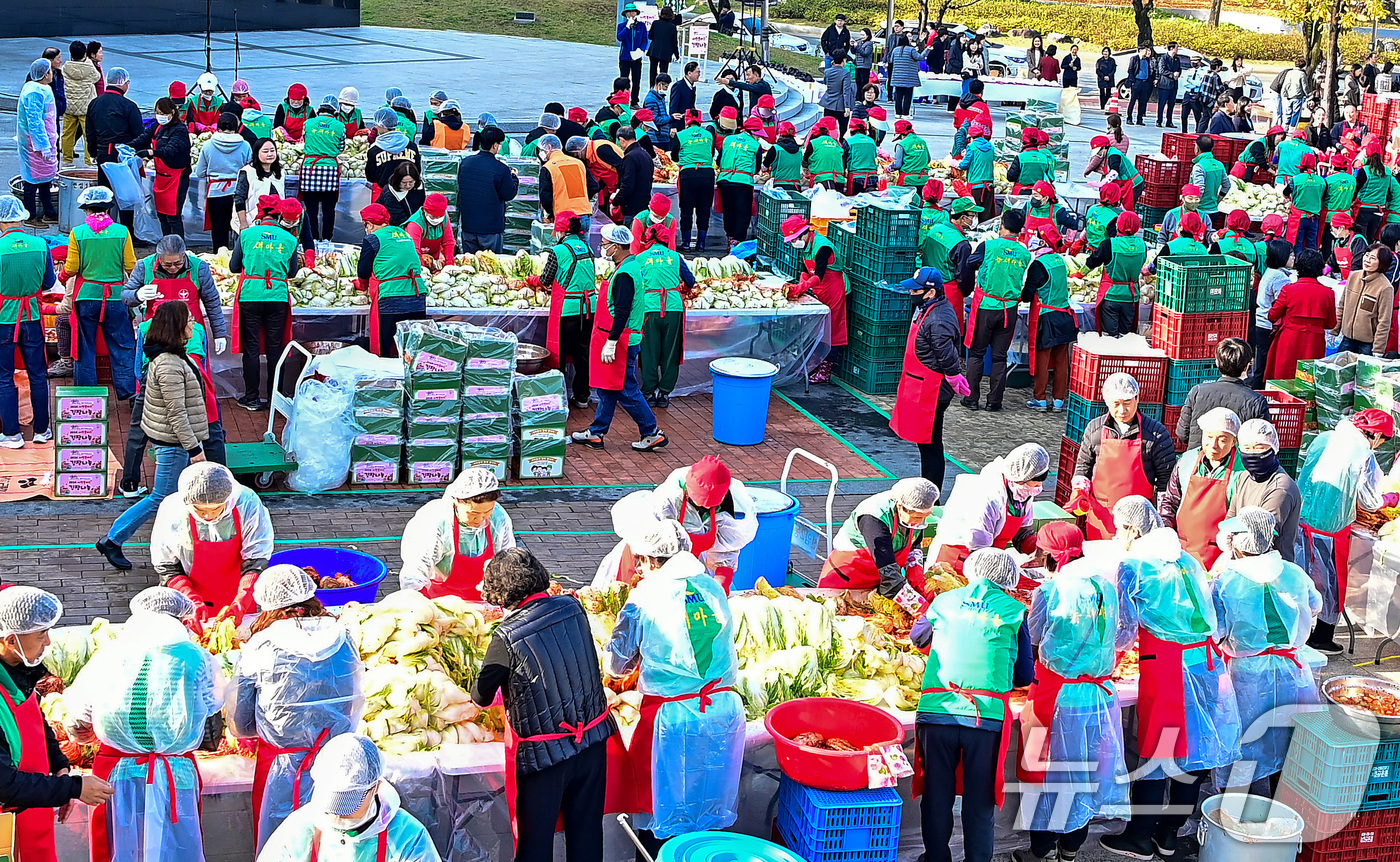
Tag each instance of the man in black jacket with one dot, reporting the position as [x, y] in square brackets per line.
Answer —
[756, 86]
[1232, 358]
[683, 95]
[835, 37]
[633, 177]
[484, 185]
[1124, 421]
[113, 119]
[1142, 77]
[1168, 73]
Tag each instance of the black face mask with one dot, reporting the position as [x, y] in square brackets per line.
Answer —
[1260, 467]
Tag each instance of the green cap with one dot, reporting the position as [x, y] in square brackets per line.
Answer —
[629, 7]
[962, 205]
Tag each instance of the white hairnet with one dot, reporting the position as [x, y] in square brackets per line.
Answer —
[664, 540]
[11, 210]
[473, 482]
[617, 234]
[1259, 431]
[206, 483]
[1120, 385]
[207, 81]
[1220, 419]
[549, 121]
[995, 565]
[1027, 462]
[1251, 530]
[95, 196]
[917, 494]
[38, 69]
[163, 600]
[547, 143]
[1137, 514]
[24, 610]
[349, 96]
[116, 76]
[576, 144]
[282, 586]
[449, 105]
[346, 770]
[387, 118]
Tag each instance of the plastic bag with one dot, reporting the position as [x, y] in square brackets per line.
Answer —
[126, 188]
[318, 435]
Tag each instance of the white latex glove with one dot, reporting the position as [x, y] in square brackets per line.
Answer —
[147, 292]
[1080, 483]
[220, 345]
[609, 352]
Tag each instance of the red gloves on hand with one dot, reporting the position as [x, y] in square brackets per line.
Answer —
[533, 281]
[725, 576]
[803, 285]
[309, 257]
[360, 284]
[243, 602]
[1390, 501]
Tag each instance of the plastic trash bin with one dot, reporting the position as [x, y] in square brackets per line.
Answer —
[742, 387]
[768, 554]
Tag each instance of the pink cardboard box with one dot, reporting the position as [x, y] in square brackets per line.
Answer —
[80, 485]
[81, 434]
[85, 460]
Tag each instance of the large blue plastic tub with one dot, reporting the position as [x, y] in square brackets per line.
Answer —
[366, 570]
[742, 387]
[768, 554]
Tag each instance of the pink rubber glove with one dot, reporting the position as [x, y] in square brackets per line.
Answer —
[1390, 501]
[960, 385]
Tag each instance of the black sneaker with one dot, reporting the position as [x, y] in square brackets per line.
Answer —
[651, 399]
[1329, 647]
[113, 552]
[1129, 847]
[662, 400]
[264, 405]
[995, 408]
[579, 405]
[249, 402]
[1165, 845]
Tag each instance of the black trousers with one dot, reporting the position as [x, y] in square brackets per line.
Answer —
[658, 67]
[1261, 340]
[992, 330]
[943, 747]
[661, 352]
[391, 311]
[862, 78]
[1368, 223]
[1105, 93]
[737, 199]
[841, 119]
[573, 789]
[38, 200]
[1191, 107]
[696, 189]
[631, 69]
[220, 221]
[903, 100]
[264, 322]
[1141, 95]
[1045, 843]
[1151, 817]
[175, 225]
[320, 213]
[574, 332]
[931, 461]
[1117, 318]
[1166, 102]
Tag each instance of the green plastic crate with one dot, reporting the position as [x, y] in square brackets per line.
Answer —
[775, 205]
[874, 337]
[1151, 216]
[880, 303]
[1182, 374]
[873, 264]
[1208, 282]
[1288, 460]
[889, 225]
[871, 373]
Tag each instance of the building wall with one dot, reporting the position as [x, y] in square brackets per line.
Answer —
[90, 18]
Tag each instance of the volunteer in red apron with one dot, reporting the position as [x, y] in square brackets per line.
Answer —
[880, 546]
[100, 256]
[1117, 169]
[1044, 211]
[168, 143]
[1000, 265]
[993, 509]
[391, 271]
[1051, 325]
[979, 649]
[296, 686]
[264, 258]
[559, 758]
[431, 230]
[1197, 495]
[824, 276]
[1123, 453]
[354, 813]
[449, 541]
[28, 274]
[1347, 247]
[204, 107]
[349, 113]
[211, 540]
[145, 699]
[1071, 761]
[677, 632]
[570, 274]
[1307, 192]
[293, 113]
[1188, 719]
[35, 774]
[933, 214]
[716, 510]
[1122, 258]
[932, 372]
[1339, 476]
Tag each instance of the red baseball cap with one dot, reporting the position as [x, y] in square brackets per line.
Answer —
[645, 115]
[578, 115]
[707, 482]
[296, 91]
[1061, 541]
[1129, 223]
[1275, 130]
[765, 101]
[561, 220]
[1308, 161]
[374, 214]
[793, 227]
[1272, 225]
[618, 98]
[857, 124]
[933, 191]
[178, 90]
[435, 205]
[1191, 225]
[753, 124]
[1375, 421]
[903, 127]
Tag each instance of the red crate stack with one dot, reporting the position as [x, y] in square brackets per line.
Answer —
[1088, 371]
[1069, 453]
[1179, 146]
[1195, 335]
[1163, 180]
[1170, 415]
[1227, 149]
[1286, 413]
[1375, 113]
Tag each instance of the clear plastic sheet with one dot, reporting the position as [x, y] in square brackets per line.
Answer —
[355, 195]
[318, 436]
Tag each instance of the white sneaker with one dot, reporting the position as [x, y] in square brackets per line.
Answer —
[43, 437]
[11, 441]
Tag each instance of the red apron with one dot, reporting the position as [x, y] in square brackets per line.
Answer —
[1034, 322]
[610, 376]
[294, 126]
[171, 289]
[374, 285]
[702, 542]
[464, 581]
[1295, 217]
[1003, 745]
[167, 189]
[101, 340]
[34, 827]
[916, 402]
[103, 765]
[287, 330]
[977, 297]
[1203, 505]
[1342, 252]
[1161, 706]
[1341, 557]
[955, 555]
[856, 570]
[1034, 224]
[1039, 712]
[1127, 198]
[267, 752]
[380, 855]
[831, 290]
[635, 796]
[217, 567]
[216, 186]
[1118, 473]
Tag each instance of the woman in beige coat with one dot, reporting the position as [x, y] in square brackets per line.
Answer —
[1367, 305]
[173, 417]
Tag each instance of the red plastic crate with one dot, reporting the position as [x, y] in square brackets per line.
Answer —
[1227, 150]
[1163, 197]
[1160, 173]
[1087, 372]
[1379, 854]
[1179, 146]
[104, 368]
[1195, 335]
[1286, 413]
[1069, 453]
[1170, 416]
[1355, 837]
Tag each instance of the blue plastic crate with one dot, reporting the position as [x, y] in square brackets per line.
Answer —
[832, 826]
[1341, 772]
[1080, 411]
[1182, 374]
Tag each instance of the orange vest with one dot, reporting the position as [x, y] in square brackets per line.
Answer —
[570, 181]
[450, 139]
[602, 170]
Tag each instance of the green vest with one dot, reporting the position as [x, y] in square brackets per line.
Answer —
[1130, 171]
[828, 162]
[1215, 174]
[1256, 154]
[661, 280]
[1377, 189]
[1392, 204]
[196, 345]
[324, 136]
[646, 218]
[429, 232]
[881, 507]
[1036, 165]
[266, 251]
[1096, 223]
[302, 113]
[1055, 292]
[787, 167]
[1184, 245]
[532, 149]
[573, 263]
[1124, 270]
[23, 260]
[397, 266]
[1341, 191]
[736, 160]
[258, 123]
[914, 165]
[1290, 157]
[353, 118]
[697, 148]
[1308, 192]
[408, 127]
[101, 258]
[818, 243]
[631, 267]
[938, 244]
[862, 154]
[1254, 252]
[608, 127]
[976, 632]
[149, 275]
[1003, 273]
[932, 215]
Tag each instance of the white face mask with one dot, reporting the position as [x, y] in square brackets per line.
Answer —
[24, 658]
[434, 220]
[296, 103]
[163, 119]
[1023, 491]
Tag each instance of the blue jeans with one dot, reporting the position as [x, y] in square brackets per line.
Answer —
[121, 345]
[31, 346]
[1307, 232]
[1352, 345]
[170, 461]
[630, 398]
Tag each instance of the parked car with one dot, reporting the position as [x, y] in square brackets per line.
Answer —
[1254, 88]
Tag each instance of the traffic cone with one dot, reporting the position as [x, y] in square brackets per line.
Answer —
[1113, 102]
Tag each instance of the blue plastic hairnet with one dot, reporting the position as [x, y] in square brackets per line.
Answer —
[387, 118]
[549, 121]
[486, 119]
[401, 102]
[391, 94]
[332, 101]
[547, 144]
[11, 210]
[118, 76]
[438, 95]
[577, 143]
[38, 69]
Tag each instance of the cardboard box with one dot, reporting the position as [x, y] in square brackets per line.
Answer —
[80, 404]
[379, 394]
[545, 464]
[431, 461]
[80, 485]
[379, 420]
[84, 434]
[538, 439]
[374, 472]
[496, 466]
[431, 427]
[80, 460]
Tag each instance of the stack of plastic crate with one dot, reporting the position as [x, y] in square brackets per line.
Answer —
[877, 253]
[1201, 299]
[522, 211]
[774, 207]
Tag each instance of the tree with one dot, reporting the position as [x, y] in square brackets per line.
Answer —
[1314, 19]
[944, 7]
[1142, 15]
[1214, 19]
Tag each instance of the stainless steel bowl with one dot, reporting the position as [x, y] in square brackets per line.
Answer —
[530, 358]
[1362, 721]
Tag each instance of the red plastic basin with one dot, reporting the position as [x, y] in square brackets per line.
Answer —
[858, 723]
